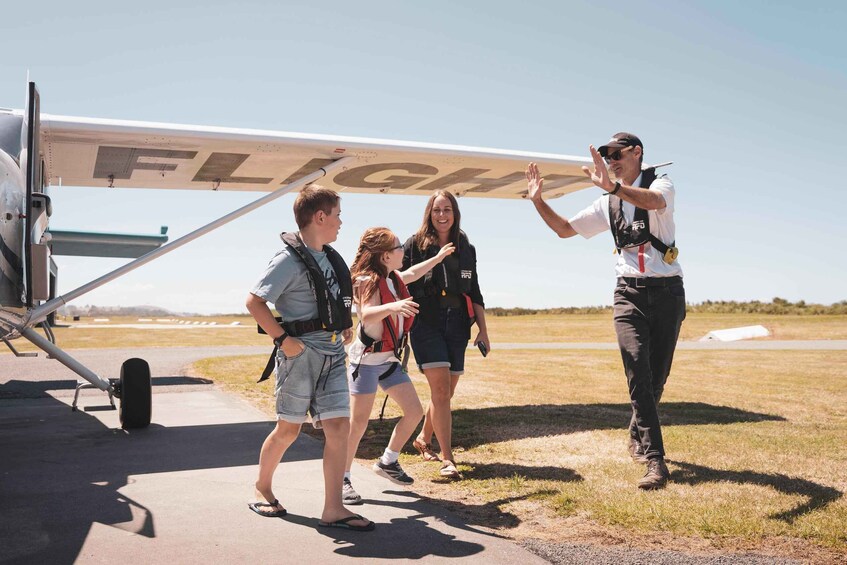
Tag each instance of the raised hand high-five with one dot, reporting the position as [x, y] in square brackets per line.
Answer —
[534, 181]
[600, 175]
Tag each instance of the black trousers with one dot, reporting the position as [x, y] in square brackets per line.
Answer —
[647, 322]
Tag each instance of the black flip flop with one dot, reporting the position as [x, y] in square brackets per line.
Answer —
[257, 508]
[345, 524]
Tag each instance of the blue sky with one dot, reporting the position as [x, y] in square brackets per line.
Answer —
[747, 99]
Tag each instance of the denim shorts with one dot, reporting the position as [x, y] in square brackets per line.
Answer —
[367, 377]
[442, 344]
[312, 383]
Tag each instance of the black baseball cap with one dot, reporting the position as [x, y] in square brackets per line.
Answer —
[619, 141]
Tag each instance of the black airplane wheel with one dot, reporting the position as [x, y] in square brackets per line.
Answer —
[136, 394]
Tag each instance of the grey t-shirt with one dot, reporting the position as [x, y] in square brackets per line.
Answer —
[286, 284]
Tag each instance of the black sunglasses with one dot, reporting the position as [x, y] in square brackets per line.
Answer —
[617, 155]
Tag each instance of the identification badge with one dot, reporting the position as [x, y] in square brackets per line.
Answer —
[671, 254]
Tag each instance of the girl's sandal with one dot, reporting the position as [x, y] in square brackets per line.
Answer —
[425, 450]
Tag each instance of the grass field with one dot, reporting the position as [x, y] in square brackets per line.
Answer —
[755, 441]
[587, 328]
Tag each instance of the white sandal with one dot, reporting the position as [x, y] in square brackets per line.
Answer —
[449, 470]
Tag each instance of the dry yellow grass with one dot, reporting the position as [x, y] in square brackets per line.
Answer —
[587, 328]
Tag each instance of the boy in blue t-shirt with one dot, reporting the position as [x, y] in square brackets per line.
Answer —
[311, 374]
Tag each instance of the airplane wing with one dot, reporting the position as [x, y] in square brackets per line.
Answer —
[125, 154]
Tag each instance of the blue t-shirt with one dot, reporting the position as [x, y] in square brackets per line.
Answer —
[286, 284]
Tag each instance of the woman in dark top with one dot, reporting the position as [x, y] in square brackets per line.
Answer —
[450, 302]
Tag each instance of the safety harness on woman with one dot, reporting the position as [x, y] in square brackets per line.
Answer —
[437, 282]
[334, 312]
[637, 234]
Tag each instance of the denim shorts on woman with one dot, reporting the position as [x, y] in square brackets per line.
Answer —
[312, 383]
[368, 377]
[442, 344]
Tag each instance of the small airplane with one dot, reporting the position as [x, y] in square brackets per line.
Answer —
[39, 151]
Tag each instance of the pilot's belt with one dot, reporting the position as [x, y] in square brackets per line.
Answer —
[643, 282]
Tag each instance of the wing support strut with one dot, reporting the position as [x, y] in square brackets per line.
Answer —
[41, 312]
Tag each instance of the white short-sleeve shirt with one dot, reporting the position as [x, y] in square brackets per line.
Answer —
[595, 219]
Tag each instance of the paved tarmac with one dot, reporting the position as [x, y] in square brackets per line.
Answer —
[75, 488]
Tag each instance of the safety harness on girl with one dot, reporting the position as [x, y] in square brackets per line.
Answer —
[390, 328]
[637, 234]
[334, 313]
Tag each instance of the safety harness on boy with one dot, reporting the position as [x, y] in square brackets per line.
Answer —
[637, 234]
[334, 312]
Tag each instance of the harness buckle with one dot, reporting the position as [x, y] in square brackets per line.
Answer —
[670, 255]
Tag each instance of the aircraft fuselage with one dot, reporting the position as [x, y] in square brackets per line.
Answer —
[12, 210]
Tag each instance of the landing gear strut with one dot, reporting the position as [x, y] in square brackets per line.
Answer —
[134, 388]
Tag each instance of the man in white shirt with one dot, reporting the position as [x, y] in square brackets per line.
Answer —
[649, 296]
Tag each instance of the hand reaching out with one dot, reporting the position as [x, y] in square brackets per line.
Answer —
[445, 251]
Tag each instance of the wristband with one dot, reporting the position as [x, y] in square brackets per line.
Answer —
[617, 187]
[278, 341]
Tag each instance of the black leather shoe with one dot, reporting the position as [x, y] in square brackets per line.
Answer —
[636, 451]
[657, 475]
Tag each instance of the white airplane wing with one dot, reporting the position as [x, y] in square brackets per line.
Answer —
[99, 152]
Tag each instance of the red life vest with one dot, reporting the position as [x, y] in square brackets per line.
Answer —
[390, 328]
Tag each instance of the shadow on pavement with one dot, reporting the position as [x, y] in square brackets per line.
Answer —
[62, 472]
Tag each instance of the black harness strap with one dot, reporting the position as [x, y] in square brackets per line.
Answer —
[403, 364]
[269, 368]
[638, 232]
